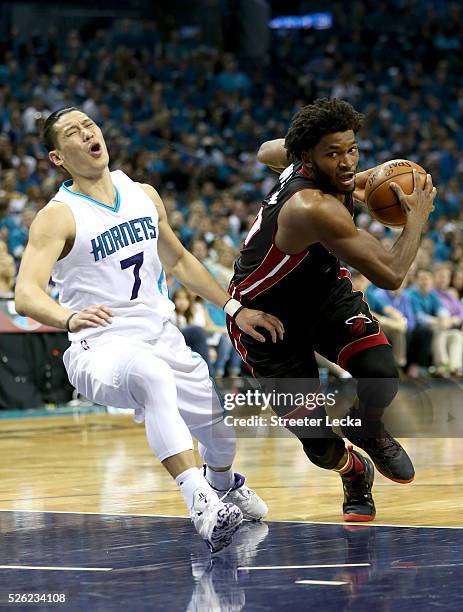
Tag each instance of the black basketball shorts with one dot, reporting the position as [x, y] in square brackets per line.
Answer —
[342, 326]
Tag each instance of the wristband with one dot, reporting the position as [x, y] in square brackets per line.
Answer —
[236, 312]
[68, 320]
[231, 307]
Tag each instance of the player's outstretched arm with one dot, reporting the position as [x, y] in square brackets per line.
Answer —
[191, 273]
[273, 154]
[48, 233]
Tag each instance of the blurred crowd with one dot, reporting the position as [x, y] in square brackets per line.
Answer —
[188, 119]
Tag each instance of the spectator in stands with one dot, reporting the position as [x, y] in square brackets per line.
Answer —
[454, 312]
[393, 322]
[7, 272]
[191, 321]
[457, 281]
[227, 357]
[16, 199]
[391, 303]
[433, 325]
[222, 270]
[6, 221]
[200, 250]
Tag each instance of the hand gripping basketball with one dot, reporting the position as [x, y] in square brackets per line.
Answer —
[420, 203]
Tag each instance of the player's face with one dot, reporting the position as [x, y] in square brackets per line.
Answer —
[334, 161]
[81, 148]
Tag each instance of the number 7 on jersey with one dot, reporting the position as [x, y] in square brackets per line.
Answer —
[137, 262]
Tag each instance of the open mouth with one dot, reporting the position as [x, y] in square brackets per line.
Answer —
[95, 149]
[347, 179]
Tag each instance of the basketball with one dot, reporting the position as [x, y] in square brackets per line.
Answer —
[381, 200]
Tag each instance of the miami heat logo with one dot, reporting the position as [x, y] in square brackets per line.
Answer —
[358, 324]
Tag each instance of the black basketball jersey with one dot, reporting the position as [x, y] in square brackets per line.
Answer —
[268, 279]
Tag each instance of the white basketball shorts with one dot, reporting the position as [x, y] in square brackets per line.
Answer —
[100, 368]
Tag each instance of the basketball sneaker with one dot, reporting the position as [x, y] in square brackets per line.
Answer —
[251, 505]
[389, 457]
[358, 501]
[215, 521]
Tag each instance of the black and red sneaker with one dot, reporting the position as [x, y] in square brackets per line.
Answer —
[389, 457]
[358, 503]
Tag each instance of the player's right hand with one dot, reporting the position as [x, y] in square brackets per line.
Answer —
[421, 201]
[92, 316]
[248, 320]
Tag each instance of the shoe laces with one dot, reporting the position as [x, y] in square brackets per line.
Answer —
[243, 491]
[385, 444]
[225, 494]
[388, 445]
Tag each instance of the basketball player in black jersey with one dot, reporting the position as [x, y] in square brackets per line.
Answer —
[290, 266]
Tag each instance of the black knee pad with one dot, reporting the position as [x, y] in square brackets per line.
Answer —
[377, 376]
[324, 452]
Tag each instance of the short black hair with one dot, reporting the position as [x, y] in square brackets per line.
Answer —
[48, 132]
[324, 116]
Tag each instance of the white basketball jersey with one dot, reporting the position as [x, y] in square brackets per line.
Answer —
[114, 261]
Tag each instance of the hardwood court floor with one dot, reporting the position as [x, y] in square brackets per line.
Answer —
[103, 464]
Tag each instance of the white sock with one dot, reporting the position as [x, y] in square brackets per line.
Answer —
[220, 480]
[189, 481]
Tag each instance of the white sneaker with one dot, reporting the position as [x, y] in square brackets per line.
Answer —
[251, 505]
[215, 521]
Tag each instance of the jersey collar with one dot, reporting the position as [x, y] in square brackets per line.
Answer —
[115, 208]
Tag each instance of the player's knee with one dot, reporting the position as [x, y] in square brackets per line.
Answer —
[220, 452]
[374, 362]
[149, 375]
[377, 392]
[377, 375]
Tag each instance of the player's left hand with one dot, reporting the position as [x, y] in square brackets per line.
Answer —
[248, 319]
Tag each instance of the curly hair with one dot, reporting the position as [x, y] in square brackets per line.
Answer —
[322, 117]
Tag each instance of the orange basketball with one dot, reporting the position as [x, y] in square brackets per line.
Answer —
[382, 202]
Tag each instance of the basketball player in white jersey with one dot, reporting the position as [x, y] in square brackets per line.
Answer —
[105, 239]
